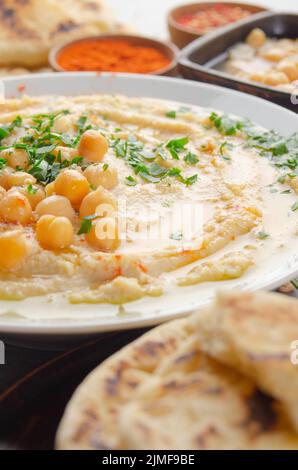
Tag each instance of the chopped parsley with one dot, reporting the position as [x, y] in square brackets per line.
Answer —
[222, 150]
[146, 163]
[86, 224]
[40, 145]
[171, 114]
[294, 207]
[262, 235]
[130, 181]
[191, 158]
[5, 131]
[176, 146]
[191, 180]
[31, 189]
[286, 191]
[105, 167]
[2, 163]
[176, 236]
[225, 124]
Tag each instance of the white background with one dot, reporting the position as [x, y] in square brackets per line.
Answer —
[148, 17]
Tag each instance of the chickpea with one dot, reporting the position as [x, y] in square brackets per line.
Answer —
[62, 124]
[104, 234]
[274, 54]
[66, 153]
[93, 146]
[34, 194]
[256, 38]
[276, 78]
[16, 158]
[59, 206]
[289, 68]
[15, 208]
[259, 77]
[54, 233]
[92, 202]
[50, 189]
[14, 249]
[4, 175]
[2, 192]
[73, 185]
[20, 178]
[98, 175]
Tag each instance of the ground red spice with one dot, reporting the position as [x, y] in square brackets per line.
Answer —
[111, 55]
[213, 17]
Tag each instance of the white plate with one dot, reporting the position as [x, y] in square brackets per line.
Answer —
[150, 311]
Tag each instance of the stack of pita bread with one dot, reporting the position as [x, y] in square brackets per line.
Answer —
[29, 28]
[221, 379]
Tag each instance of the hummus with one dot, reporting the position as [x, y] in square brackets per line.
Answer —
[201, 197]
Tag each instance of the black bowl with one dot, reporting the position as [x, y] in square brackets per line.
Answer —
[198, 59]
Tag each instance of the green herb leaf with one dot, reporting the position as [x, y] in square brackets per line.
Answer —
[130, 181]
[175, 146]
[294, 207]
[262, 235]
[31, 189]
[86, 225]
[176, 236]
[191, 180]
[105, 167]
[191, 158]
[4, 132]
[171, 114]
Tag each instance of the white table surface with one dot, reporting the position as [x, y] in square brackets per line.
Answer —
[149, 16]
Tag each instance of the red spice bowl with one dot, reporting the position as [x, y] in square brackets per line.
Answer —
[115, 53]
[188, 22]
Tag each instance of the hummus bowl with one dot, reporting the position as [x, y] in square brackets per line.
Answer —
[129, 200]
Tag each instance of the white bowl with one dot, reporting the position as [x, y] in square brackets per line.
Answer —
[150, 311]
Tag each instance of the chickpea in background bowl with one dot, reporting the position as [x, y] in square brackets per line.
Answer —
[268, 61]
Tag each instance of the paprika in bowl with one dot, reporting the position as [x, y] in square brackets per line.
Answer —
[115, 53]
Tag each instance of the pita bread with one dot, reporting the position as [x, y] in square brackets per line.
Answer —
[253, 333]
[204, 410]
[29, 28]
[91, 418]
[164, 392]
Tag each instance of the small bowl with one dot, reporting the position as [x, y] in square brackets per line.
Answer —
[167, 48]
[182, 35]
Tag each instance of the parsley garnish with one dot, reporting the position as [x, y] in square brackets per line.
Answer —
[105, 167]
[130, 181]
[176, 236]
[171, 114]
[86, 224]
[191, 158]
[175, 146]
[224, 124]
[262, 235]
[191, 180]
[31, 189]
[294, 207]
[222, 150]
[145, 162]
[2, 163]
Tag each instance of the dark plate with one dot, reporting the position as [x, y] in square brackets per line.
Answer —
[198, 58]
